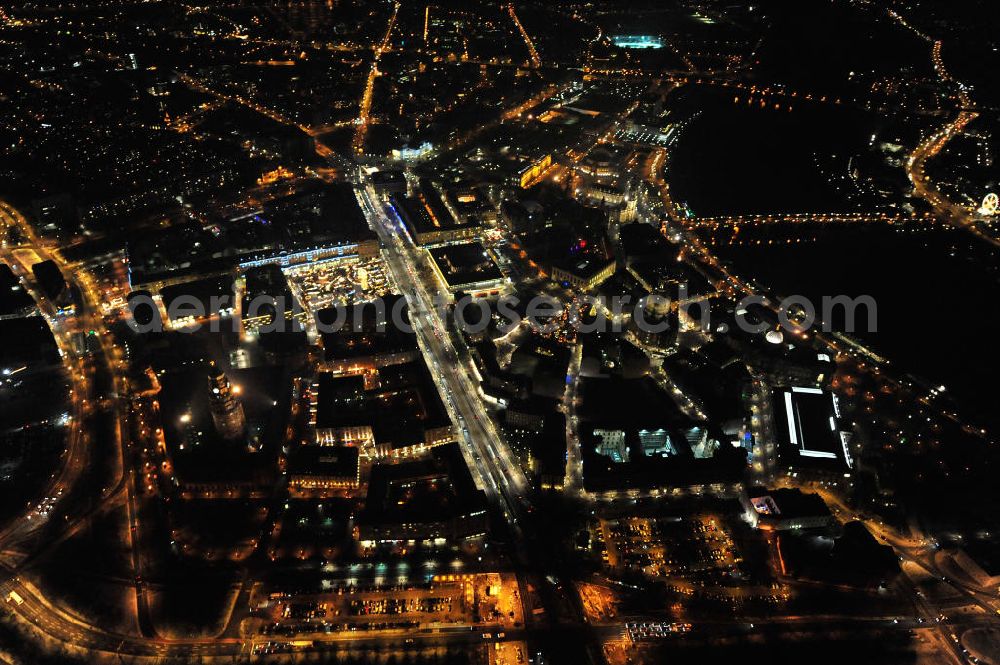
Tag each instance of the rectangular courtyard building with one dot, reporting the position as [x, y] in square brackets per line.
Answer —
[315, 469]
[351, 410]
[428, 220]
[428, 500]
[469, 268]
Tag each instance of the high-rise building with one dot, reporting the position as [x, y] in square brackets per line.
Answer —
[227, 411]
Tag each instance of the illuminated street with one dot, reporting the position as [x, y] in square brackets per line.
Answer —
[499, 333]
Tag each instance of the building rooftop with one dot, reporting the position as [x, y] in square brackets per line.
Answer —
[391, 177]
[787, 503]
[425, 211]
[366, 330]
[434, 489]
[199, 453]
[332, 461]
[468, 202]
[808, 429]
[14, 299]
[26, 341]
[208, 292]
[318, 216]
[466, 264]
[583, 266]
[400, 404]
[629, 403]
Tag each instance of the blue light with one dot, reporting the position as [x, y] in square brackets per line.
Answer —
[637, 41]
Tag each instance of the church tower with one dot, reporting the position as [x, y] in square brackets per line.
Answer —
[227, 411]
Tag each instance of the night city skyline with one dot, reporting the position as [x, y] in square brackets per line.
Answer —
[499, 333]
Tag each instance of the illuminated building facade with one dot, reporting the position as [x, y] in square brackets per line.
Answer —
[227, 411]
[533, 171]
[585, 274]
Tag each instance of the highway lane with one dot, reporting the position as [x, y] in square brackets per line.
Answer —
[87, 317]
[488, 456]
[919, 551]
[53, 621]
[923, 187]
[536, 61]
[490, 460]
[365, 103]
[696, 251]
[734, 286]
[31, 606]
[78, 367]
